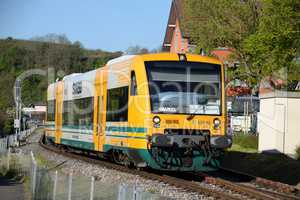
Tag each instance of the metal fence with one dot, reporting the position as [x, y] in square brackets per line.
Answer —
[51, 184]
[13, 140]
[242, 113]
[3, 144]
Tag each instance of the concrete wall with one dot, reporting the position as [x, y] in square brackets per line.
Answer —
[279, 122]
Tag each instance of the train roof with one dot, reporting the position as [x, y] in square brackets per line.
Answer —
[120, 59]
[90, 75]
[164, 56]
[87, 76]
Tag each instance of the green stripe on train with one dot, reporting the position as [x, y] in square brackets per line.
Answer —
[78, 144]
[125, 136]
[80, 131]
[126, 129]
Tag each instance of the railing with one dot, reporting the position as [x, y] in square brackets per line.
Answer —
[50, 183]
[3, 144]
[54, 185]
[24, 134]
[12, 140]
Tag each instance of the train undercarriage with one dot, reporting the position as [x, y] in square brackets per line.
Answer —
[169, 153]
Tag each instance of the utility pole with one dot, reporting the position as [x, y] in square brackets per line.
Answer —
[17, 121]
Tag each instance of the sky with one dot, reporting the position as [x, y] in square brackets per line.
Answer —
[110, 25]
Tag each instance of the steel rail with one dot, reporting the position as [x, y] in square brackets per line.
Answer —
[177, 182]
[188, 185]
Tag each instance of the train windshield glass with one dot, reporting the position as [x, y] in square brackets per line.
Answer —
[184, 87]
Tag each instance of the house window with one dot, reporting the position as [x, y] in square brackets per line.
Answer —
[117, 104]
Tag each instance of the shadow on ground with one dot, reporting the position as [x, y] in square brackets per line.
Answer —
[4, 181]
[277, 167]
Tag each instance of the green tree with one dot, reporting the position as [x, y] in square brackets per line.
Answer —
[264, 34]
[136, 50]
[272, 50]
[53, 38]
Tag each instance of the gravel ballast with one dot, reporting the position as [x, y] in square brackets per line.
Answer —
[106, 176]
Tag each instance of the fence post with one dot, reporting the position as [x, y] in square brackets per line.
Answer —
[135, 192]
[7, 142]
[121, 192]
[54, 186]
[70, 186]
[92, 188]
[8, 159]
[34, 178]
[34, 175]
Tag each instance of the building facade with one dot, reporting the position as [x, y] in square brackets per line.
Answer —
[278, 122]
[177, 39]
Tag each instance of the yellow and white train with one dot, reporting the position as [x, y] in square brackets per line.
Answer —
[164, 111]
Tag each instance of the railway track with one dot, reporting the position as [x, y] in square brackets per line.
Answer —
[250, 190]
[237, 190]
[246, 181]
[279, 187]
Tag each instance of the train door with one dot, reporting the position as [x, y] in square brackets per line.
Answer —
[101, 124]
[99, 108]
[58, 113]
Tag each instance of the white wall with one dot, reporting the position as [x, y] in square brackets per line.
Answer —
[279, 122]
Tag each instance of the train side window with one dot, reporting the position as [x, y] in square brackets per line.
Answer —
[133, 84]
[117, 104]
[51, 105]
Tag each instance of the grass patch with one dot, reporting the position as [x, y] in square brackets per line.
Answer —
[41, 160]
[236, 147]
[278, 167]
[245, 143]
[14, 168]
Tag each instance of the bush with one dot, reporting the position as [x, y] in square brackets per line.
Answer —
[298, 153]
[246, 140]
[8, 126]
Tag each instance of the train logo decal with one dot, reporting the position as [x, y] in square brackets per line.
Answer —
[77, 88]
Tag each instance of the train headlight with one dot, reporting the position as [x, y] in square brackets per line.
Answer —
[156, 120]
[217, 123]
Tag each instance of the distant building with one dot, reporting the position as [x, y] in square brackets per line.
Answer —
[36, 113]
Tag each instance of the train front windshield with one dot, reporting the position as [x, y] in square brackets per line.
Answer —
[184, 87]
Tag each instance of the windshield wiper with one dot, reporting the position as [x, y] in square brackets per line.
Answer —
[191, 116]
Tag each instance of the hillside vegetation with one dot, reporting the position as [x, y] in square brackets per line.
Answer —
[53, 58]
